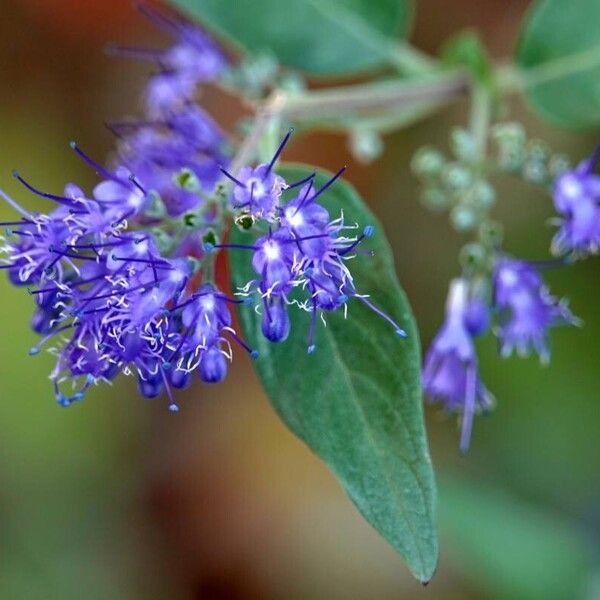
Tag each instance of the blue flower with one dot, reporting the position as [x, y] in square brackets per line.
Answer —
[526, 309]
[450, 372]
[576, 199]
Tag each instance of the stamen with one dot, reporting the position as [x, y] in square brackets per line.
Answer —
[399, 331]
[21, 222]
[158, 18]
[98, 168]
[252, 187]
[119, 242]
[230, 176]
[173, 406]
[151, 54]
[74, 256]
[137, 184]
[301, 181]
[328, 184]
[469, 408]
[311, 332]
[16, 206]
[303, 201]
[36, 349]
[368, 232]
[278, 151]
[209, 247]
[163, 264]
[240, 341]
[122, 292]
[60, 199]
[305, 238]
[10, 232]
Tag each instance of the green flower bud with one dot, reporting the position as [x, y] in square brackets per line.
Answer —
[463, 144]
[558, 164]
[491, 234]
[245, 221]
[210, 237]
[155, 208]
[366, 145]
[292, 83]
[187, 180]
[535, 172]
[192, 220]
[538, 151]
[472, 256]
[484, 194]
[456, 177]
[427, 162]
[162, 239]
[463, 218]
[512, 159]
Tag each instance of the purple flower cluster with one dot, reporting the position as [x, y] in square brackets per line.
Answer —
[113, 294]
[110, 301]
[524, 311]
[577, 200]
[304, 250]
[123, 278]
[177, 148]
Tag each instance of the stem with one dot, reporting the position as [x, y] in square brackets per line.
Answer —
[371, 97]
[385, 122]
[480, 120]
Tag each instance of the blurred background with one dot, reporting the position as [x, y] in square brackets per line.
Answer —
[116, 498]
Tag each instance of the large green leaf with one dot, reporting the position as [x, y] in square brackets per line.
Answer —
[318, 36]
[357, 400]
[513, 549]
[559, 52]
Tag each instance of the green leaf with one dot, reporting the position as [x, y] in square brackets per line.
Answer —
[356, 401]
[513, 548]
[559, 52]
[318, 36]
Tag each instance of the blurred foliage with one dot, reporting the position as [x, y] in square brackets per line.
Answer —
[511, 548]
[552, 42]
[321, 37]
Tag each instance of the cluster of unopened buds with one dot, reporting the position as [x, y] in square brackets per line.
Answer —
[123, 279]
[504, 294]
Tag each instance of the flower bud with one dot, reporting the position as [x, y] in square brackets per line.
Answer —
[463, 218]
[456, 177]
[427, 162]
